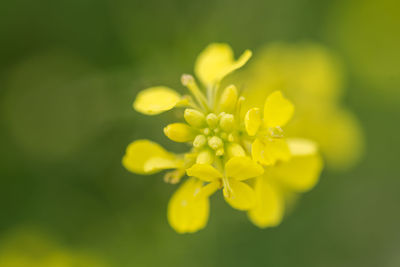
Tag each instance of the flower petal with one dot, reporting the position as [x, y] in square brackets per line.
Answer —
[146, 157]
[277, 110]
[188, 211]
[269, 151]
[301, 173]
[157, 164]
[269, 208]
[252, 121]
[340, 137]
[240, 196]
[216, 61]
[302, 147]
[242, 168]
[156, 100]
[204, 172]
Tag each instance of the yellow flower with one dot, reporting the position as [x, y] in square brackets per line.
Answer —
[312, 78]
[225, 146]
[297, 175]
[269, 145]
[237, 169]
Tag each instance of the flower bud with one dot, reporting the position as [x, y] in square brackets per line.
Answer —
[220, 151]
[228, 99]
[227, 122]
[212, 120]
[215, 142]
[199, 141]
[235, 150]
[231, 138]
[195, 118]
[205, 157]
[179, 132]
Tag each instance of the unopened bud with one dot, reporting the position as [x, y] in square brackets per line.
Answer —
[220, 151]
[235, 150]
[215, 142]
[179, 132]
[199, 141]
[212, 120]
[227, 122]
[224, 135]
[228, 99]
[231, 138]
[205, 157]
[195, 118]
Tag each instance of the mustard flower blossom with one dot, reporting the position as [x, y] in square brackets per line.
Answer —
[238, 154]
[313, 79]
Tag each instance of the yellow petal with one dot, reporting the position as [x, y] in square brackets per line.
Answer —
[240, 195]
[156, 164]
[301, 173]
[146, 157]
[269, 208]
[269, 151]
[252, 121]
[188, 211]
[302, 147]
[156, 100]
[341, 139]
[217, 61]
[242, 168]
[204, 172]
[179, 132]
[277, 110]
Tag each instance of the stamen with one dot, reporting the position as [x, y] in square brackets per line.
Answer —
[227, 188]
[189, 82]
[174, 177]
[276, 132]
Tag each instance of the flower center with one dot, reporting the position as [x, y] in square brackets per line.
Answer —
[218, 131]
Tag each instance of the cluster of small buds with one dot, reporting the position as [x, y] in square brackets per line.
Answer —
[214, 133]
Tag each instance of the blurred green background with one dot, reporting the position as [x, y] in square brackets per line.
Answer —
[69, 71]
